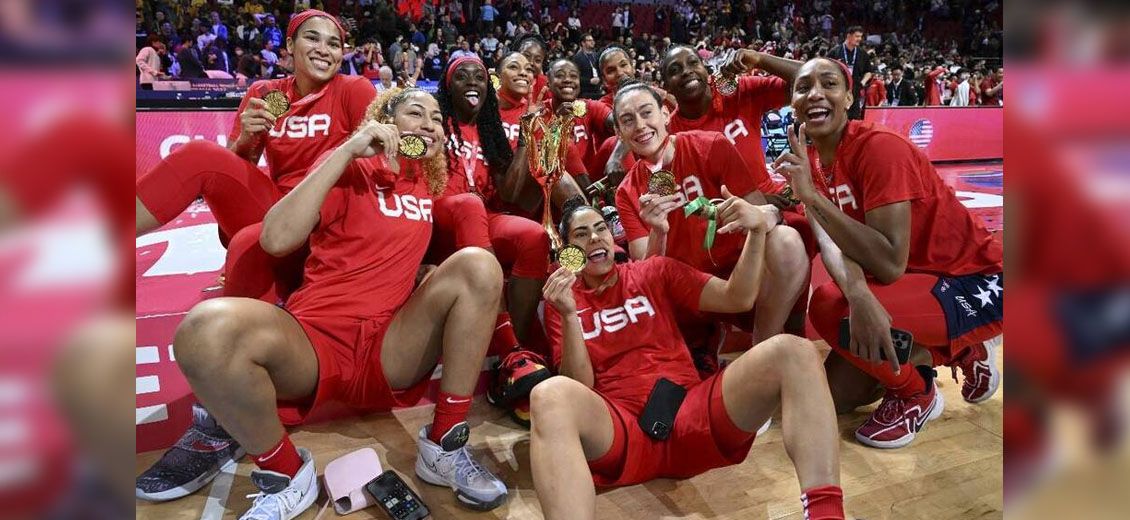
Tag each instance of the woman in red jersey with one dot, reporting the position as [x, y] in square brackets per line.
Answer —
[321, 107]
[700, 163]
[902, 251]
[617, 346]
[479, 158]
[324, 108]
[592, 126]
[356, 337]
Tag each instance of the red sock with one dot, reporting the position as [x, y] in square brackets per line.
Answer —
[503, 340]
[823, 503]
[282, 458]
[450, 410]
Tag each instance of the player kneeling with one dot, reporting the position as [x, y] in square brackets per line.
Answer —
[356, 337]
[621, 357]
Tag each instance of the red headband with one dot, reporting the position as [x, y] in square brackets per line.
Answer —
[297, 20]
[455, 65]
[847, 73]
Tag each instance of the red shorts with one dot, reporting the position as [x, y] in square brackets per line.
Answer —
[704, 438]
[351, 380]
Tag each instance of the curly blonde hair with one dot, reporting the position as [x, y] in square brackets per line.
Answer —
[382, 108]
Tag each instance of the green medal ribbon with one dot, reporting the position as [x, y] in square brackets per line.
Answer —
[705, 209]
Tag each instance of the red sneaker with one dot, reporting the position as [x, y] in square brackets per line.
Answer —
[897, 420]
[978, 366]
[517, 374]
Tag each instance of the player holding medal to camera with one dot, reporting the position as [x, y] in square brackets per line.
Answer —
[617, 346]
[902, 252]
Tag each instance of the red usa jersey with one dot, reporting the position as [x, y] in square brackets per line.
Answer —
[374, 229]
[630, 331]
[467, 169]
[703, 162]
[314, 124]
[876, 166]
[589, 132]
[738, 117]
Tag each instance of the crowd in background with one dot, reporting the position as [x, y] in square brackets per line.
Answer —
[956, 44]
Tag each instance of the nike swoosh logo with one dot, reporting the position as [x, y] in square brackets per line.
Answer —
[452, 401]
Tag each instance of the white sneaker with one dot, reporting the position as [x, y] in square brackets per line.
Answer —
[449, 464]
[282, 497]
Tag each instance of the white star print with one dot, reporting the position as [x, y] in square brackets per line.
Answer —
[984, 296]
[994, 286]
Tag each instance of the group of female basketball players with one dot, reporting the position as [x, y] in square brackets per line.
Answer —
[327, 310]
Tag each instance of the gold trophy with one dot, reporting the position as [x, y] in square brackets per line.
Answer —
[547, 145]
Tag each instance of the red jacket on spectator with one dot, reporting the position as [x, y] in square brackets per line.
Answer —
[875, 94]
[933, 88]
[985, 85]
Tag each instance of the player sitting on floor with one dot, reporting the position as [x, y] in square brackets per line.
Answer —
[902, 252]
[355, 337]
[615, 342]
[693, 166]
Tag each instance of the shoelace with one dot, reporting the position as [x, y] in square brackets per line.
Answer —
[284, 500]
[466, 467]
[891, 409]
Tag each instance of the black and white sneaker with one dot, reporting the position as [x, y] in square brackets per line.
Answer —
[199, 455]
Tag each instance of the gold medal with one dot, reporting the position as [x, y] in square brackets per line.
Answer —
[579, 109]
[661, 183]
[572, 258]
[277, 104]
[727, 85]
[495, 81]
[412, 146]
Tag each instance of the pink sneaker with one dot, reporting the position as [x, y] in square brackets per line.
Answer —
[897, 420]
[978, 366]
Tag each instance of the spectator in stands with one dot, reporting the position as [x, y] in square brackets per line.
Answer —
[270, 58]
[394, 51]
[374, 59]
[252, 7]
[189, 59]
[992, 88]
[217, 56]
[900, 92]
[285, 65]
[876, 91]
[574, 21]
[417, 36]
[249, 33]
[271, 32]
[933, 82]
[618, 23]
[433, 62]
[248, 66]
[218, 28]
[963, 92]
[589, 66]
[487, 14]
[352, 61]
[464, 50]
[490, 47]
[858, 63]
[149, 63]
[386, 82]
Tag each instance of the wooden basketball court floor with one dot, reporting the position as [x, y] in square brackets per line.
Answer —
[953, 470]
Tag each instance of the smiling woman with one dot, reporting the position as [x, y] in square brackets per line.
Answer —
[317, 107]
[319, 110]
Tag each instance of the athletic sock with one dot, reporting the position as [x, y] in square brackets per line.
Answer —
[451, 409]
[503, 340]
[823, 503]
[282, 458]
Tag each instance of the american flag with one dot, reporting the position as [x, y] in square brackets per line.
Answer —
[921, 133]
